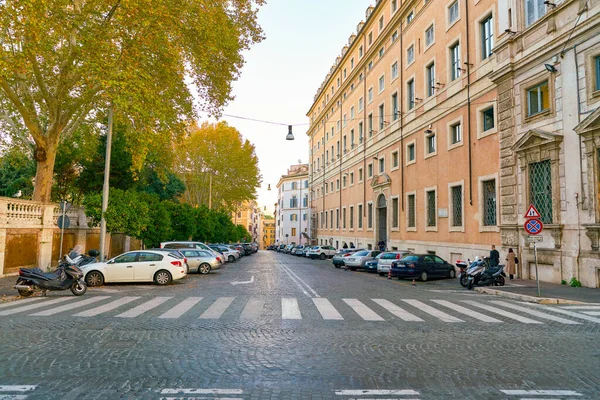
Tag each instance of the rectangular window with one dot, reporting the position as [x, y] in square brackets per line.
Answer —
[455, 61]
[597, 65]
[395, 113]
[431, 143]
[351, 138]
[540, 194]
[293, 231]
[457, 206]
[410, 55]
[380, 24]
[395, 159]
[410, 94]
[410, 17]
[331, 218]
[381, 83]
[361, 104]
[344, 218]
[351, 217]
[431, 211]
[351, 178]
[293, 217]
[394, 36]
[370, 171]
[337, 218]
[489, 203]
[337, 184]
[456, 133]
[360, 51]
[360, 216]
[381, 51]
[381, 117]
[394, 5]
[322, 219]
[352, 63]
[430, 79]
[370, 95]
[370, 38]
[381, 165]
[487, 37]
[538, 99]
[429, 36]
[453, 12]
[360, 132]
[370, 124]
[293, 202]
[411, 211]
[534, 10]
[394, 70]
[370, 65]
[395, 210]
[488, 119]
[410, 152]
[360, 174]
[345, 119]
[370, 216]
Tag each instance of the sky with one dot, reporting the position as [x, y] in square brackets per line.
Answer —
[282, 75]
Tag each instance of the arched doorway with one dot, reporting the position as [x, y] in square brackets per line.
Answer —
[381, 219]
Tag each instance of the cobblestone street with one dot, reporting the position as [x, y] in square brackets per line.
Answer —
[275, 326]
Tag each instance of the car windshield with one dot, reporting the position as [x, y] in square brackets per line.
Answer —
[410, 258]
[360, 253]
[388, 256]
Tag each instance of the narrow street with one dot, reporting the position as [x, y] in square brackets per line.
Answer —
[282, 327]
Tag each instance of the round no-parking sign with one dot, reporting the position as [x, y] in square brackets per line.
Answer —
[534, 226]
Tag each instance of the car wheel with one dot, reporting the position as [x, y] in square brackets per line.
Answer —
[424, 276]
[94, 278]
[335, 265]
[452, 274]
[382, 274]
[323, 256]
[352, 268]
[163, 277]
[204, 268]
[231, 259]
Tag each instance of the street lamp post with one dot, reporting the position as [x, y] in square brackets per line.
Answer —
[286, 238]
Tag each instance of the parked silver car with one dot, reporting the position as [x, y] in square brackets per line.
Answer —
[200, 261]
[341, 255]
[386, 260]
[358, 260]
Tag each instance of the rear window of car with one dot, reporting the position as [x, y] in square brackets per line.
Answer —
[179, 246]
[204, 254]
[410, 258]
[361, 253]
[189, 253]
[388, 256]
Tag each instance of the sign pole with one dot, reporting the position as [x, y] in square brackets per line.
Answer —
[537, 277]
[62, 230]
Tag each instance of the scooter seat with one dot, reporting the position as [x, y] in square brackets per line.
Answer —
[39, 272]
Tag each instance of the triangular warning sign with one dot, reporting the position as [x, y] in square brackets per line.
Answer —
[532, 212]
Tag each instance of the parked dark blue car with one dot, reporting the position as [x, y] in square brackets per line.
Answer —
[423, 267]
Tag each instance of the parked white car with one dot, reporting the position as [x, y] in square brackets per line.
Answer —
[359, 259]
[160, 267]
[386, 260]
[322, 252]
[192, 245]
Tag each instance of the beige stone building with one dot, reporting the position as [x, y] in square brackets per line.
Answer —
[292, 211]
[548, 78]
[404, 132]
[249, 216]
[268, 233]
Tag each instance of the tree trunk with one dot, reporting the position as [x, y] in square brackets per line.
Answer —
[45, 156]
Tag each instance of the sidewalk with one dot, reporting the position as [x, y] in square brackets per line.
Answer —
[551, 293]
[6, 288]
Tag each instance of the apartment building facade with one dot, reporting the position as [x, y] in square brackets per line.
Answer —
[292, 212]
[403, 132]
[548, 79]
[249, 216]
[268, 237]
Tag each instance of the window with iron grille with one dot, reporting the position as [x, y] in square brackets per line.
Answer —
[489, 203]
[360, 216]
[457, 206]
[351, 217]
[540, 192]
[395, 213]
[370, 216]
[411, 211]
[431, 217]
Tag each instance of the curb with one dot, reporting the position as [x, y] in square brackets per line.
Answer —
[523, 297]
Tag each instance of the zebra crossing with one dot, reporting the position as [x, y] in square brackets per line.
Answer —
[293, 309]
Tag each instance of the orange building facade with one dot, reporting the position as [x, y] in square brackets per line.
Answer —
[403, 132]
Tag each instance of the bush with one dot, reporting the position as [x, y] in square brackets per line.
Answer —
[575, 283]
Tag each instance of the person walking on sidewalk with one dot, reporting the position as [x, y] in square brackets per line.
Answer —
[494, 256]
[511, 263]
[381, 245]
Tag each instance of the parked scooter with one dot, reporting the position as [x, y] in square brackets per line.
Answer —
[67, 276]
[75, 257]
[480, 273]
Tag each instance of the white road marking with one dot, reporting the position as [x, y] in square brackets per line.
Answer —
[564, 312]
[397, 311]
[299, 282]
[204, 398]
[253, 309]
[202, 391]
[581, 307]
[181, 308]
[361, 309]
[106, 307]
[17, 388]
[502, 312]
[593, 313]
[536, 313]
[13, 397]
[396, 392]
[216, 309]
[432, 311]
[467, 311]
[244, 282]
[541, 392]
[290, 309]
[19, 302]
[327, 309]
[142, 308]
[36, 305]
[66, 307]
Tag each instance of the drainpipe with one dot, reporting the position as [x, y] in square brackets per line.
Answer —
[468, 63]
[400, 105]
[341, 161]
[365, 133]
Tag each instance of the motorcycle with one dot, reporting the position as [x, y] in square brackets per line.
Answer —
[66, 276]
[75, 257]
[480, 273]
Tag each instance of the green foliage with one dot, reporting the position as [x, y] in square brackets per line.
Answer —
[17, 170]
[575, 283]
[563, 282]
[170, 189]
[183, 220]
